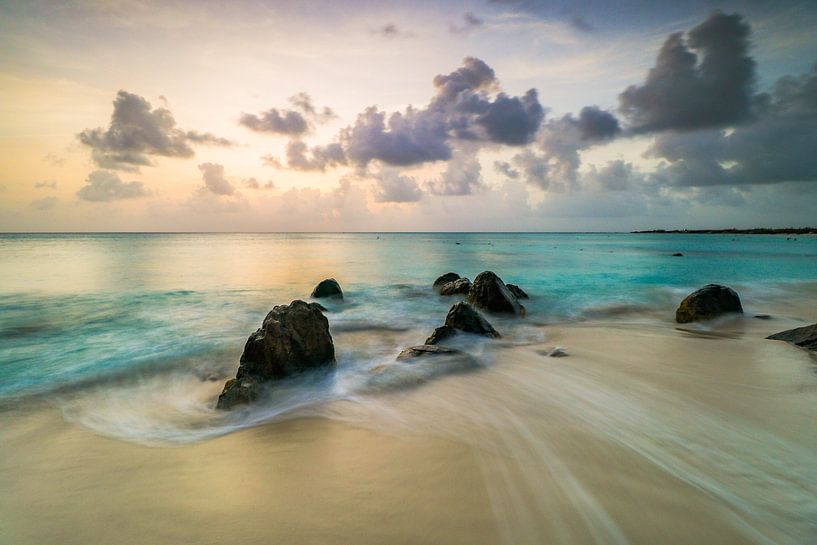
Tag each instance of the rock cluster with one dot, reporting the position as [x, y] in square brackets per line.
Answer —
[462, 317]
[489, 292]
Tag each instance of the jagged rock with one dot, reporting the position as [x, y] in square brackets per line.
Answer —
[462, 317]
[488, 291]
[424, 350]
[444, 279]
[805, 337]
[293, 338]
[708, 302]
[327, 288]
[456, 287]
[238, 391]
[517, 291]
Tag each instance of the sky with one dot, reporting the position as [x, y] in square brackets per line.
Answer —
[492, 115]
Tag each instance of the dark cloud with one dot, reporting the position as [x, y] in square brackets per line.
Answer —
[391, 186]
[296, 122]
[286, 122]
[596, 124]
[302, 157]
[214, 179]
[701, 81]
[463, 109]
[104, 186]
[507, 169]
[580, 23]
[391, 30]
[46, 203]
[138, 131]
[512, 120]
[469, 23]
[409, 138]
[777, 146]
[46, 184]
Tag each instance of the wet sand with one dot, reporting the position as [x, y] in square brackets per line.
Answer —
[644, 434]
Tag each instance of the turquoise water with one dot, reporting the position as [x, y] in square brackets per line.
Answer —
[77, 309]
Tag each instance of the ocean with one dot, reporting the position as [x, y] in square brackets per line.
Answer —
[130, 337]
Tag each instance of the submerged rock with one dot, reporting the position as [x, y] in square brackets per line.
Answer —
[427, 350]
[708, 302]
[462, 317]
[327, 288]
[488, 291]
[456, 287]
[293, 338]
[444, 279]
[238, 391]
[804, 337]
[517, 291]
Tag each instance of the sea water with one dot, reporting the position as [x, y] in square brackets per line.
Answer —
[79, 308]
[708, 429]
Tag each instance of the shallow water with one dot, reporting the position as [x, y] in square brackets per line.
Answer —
[644, 433]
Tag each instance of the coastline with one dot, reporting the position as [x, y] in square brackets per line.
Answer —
[710, 430]
[753, 231]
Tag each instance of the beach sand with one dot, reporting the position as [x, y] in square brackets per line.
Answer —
[644, 434]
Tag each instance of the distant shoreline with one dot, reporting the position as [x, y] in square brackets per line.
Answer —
[754, 231]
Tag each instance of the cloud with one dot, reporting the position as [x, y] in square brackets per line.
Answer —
[701, 81]
[470, 22]
[554, 161]
[46, 203]
[137, 131]
[54, 160]
[463, 109]
[614, 176]
[318, 158]
[580, 23]
[507, 169]
[293, 123]
[104, 186]
[214, 180]
[46, 184]
[286, 122]
[252, 183]
[776, 146]
[391, 30]
[390, 186]
[462, 176]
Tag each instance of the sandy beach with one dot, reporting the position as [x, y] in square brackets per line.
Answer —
[646, 433]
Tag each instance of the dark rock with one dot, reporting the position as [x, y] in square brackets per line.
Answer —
[677, 254]
[238, 391]
[488, 291]
[805, 337]
[763, 317]
[424, 350]
[463, 317]
[445, 279]
[459, 286]
[440, 334]
[292, 339]
[706, 303]
[327, 288]
[517, 291]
